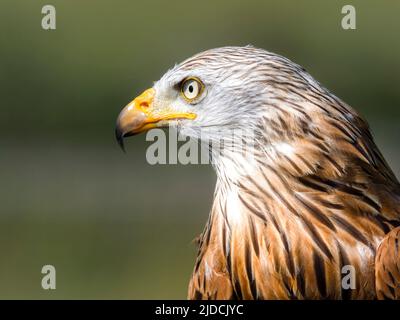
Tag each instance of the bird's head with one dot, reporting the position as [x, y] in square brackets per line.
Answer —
[278, 109]
[205, 97]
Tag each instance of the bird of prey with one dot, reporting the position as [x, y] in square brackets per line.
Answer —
[316, 199]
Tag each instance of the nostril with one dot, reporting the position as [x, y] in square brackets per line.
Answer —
[144, 104]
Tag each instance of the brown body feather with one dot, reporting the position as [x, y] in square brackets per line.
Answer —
[302, 224]
[333, 201]
[316, 198]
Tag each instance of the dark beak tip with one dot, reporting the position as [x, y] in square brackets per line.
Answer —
[119, 136]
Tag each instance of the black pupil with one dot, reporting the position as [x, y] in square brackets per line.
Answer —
[191, 88]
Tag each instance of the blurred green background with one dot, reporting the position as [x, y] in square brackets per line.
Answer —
[111, 224]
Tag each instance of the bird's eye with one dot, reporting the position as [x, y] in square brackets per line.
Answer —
[191, 88]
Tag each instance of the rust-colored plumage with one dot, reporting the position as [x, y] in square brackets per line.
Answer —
[387, 266]
[321, 198]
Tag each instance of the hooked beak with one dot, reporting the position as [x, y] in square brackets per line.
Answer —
[140, 115]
